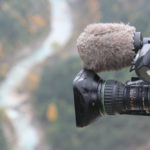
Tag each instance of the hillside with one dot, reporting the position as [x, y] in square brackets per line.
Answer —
[48, 86]
[54, 96]
[22, 24]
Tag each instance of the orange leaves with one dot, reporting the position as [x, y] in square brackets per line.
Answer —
[36, 22]
[32, 81]
[52, 113]
[94, 5]
[4, 115]
[3, 69]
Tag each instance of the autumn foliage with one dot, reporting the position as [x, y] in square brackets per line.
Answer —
[32, 82]
[52, 113]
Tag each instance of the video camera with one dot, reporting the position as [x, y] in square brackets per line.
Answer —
[95, 97]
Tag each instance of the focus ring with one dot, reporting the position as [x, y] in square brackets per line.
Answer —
[108, 97]
[113, 97]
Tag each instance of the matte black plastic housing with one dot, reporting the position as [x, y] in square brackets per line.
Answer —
[87, 105]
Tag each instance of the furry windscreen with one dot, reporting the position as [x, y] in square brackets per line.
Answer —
[105, 47]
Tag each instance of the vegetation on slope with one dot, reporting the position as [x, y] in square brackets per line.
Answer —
[54, 96]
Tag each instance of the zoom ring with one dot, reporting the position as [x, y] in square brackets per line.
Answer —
[108, 97]
[113, 97]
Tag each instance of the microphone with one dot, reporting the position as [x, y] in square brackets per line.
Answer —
[107, 47]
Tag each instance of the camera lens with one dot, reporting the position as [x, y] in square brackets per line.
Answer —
[112, 93]
[117, 97]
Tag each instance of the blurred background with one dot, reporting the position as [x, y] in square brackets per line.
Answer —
[38, 61]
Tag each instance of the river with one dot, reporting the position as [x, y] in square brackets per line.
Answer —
[61, 29]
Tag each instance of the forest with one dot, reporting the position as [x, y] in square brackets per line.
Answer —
[50, 88]
[55, 89]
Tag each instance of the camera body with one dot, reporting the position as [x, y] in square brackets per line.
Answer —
[94, 97]
[141, 62]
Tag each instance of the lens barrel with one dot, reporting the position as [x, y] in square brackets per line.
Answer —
[120, 98]
[112, 93]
